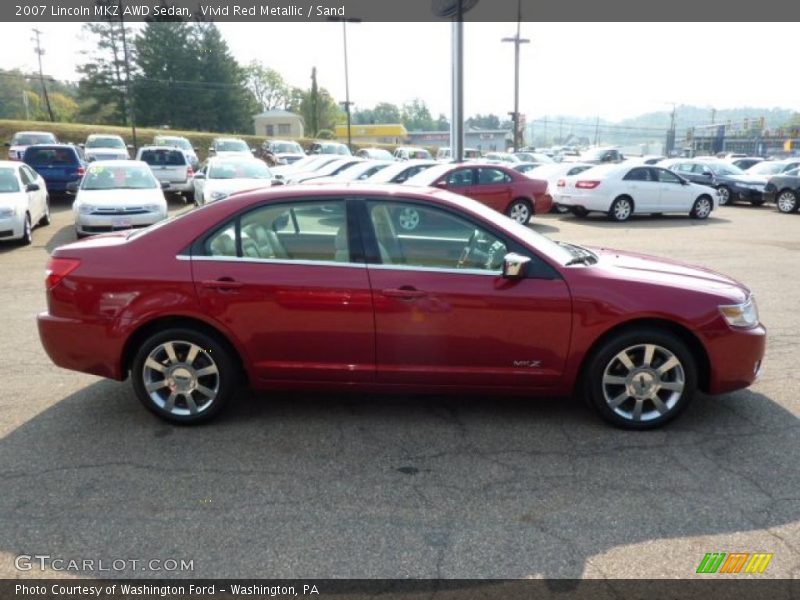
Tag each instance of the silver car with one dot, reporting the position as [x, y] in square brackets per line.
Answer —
[169, 165]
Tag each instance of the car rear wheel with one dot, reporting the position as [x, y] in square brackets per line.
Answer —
[725, 195]
[183, 375]
[621, 209]
[27, 231]
[701, 208]
[45, 220]
[408, 219]
[787, 202]
[641, 379]
[520, 210]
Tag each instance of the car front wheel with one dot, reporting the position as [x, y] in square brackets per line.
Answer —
[183, 375]
[701, 208]
[787, 202]
[641, 379]
[27, 231]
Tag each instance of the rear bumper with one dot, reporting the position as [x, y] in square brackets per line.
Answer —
[59, 186]
[736, 358]
[80, 346]
[178, 186]
[543, 204]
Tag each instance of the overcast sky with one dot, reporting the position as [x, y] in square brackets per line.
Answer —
[584, 69]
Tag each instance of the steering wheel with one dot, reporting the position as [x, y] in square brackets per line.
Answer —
[469, 249]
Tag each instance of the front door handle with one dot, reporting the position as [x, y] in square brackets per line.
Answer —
[222, 284]
[404, 293]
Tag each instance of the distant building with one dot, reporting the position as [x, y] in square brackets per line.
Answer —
[485, 140]
[749, 136]
[383, 133]
[278, 124]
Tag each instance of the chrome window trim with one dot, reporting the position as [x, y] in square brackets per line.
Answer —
[272, 261]
[484, 272]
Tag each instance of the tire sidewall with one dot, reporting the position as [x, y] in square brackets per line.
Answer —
[794, 197]
[597, 363]
[225, 364]
[612, 212]
[725, 200]
[520, 202]
[694, 212]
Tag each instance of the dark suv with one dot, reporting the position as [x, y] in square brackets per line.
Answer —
[58, 164]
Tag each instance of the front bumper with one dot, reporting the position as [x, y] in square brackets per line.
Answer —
[11, 228]
[92, 224]
[735, 356]
[754, 194]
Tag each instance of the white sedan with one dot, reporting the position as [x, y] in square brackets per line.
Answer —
[222, 176]
[23, 201]
[622, 190]
[117, 194]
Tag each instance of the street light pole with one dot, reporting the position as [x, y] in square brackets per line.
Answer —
[517, 41]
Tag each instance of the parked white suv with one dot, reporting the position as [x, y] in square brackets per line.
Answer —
[169, 165]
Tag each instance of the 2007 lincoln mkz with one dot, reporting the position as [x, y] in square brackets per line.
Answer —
[301, 288]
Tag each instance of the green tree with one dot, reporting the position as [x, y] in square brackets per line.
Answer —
[101, 89]
[489, 121]
[13, 87]
[267, 86]
[416, 116]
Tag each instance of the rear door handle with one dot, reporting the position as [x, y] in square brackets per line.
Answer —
[404, 293]
[222, 284]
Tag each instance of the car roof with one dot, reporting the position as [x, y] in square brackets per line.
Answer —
[94, 135]
[155, 147]
[117, 163]
[35, 133]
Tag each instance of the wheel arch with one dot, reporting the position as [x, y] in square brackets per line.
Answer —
[153, 326]
[694, 344]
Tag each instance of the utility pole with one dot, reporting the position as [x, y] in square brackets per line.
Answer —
[561, 130]
[128, 95]
[346, 104]
[517, 40]
[597, 131]
[671, 133]
[39, 53]
[713, 115]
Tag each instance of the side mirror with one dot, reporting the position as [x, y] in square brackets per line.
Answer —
[199, 175]
[164, 185]
[72, 186]
[514, 265]
[32, 187]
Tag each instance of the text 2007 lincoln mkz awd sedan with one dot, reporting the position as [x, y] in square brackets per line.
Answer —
[316, 288]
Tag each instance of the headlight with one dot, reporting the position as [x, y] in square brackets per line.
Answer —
[8, 211]
[219, 195]
[86, 208]
[741, 315]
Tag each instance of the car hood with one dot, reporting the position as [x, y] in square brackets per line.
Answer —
[120, 197]
[757, 179]
[11, 199]
[229, 186]
[669, 273]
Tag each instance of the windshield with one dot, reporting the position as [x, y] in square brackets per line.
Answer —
[8, 181]
[118, 177]
[766, 168]
[181, 143]
[286, 147]
[105, 142]
[231, 146]
[30, 139]
[240, 169]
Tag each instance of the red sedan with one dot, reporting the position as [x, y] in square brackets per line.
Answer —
[507, 191]
[305, 288]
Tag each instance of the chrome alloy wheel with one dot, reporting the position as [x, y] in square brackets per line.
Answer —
[702, 208]
[408, 219]
[181, 378]
[787, 202]
[724, 195]
[643, 382]
[520, 213]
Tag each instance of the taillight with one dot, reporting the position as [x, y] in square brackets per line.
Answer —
[587, 185]
[189, 172]
[57, 269]
[81, 171]
[561, 183]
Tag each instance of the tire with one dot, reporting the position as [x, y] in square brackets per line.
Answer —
[701, 208]
[178, 387]
[579, 211]
[618, 391]
[621, 209]
[787, 202]
[45, 220]
[725, 195]
[27, 231]
[520, 210]
[408, 218]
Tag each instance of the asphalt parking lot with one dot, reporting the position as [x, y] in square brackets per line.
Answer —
[323, 485]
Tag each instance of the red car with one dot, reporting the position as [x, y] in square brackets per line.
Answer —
[301, 288]
[501, 188]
